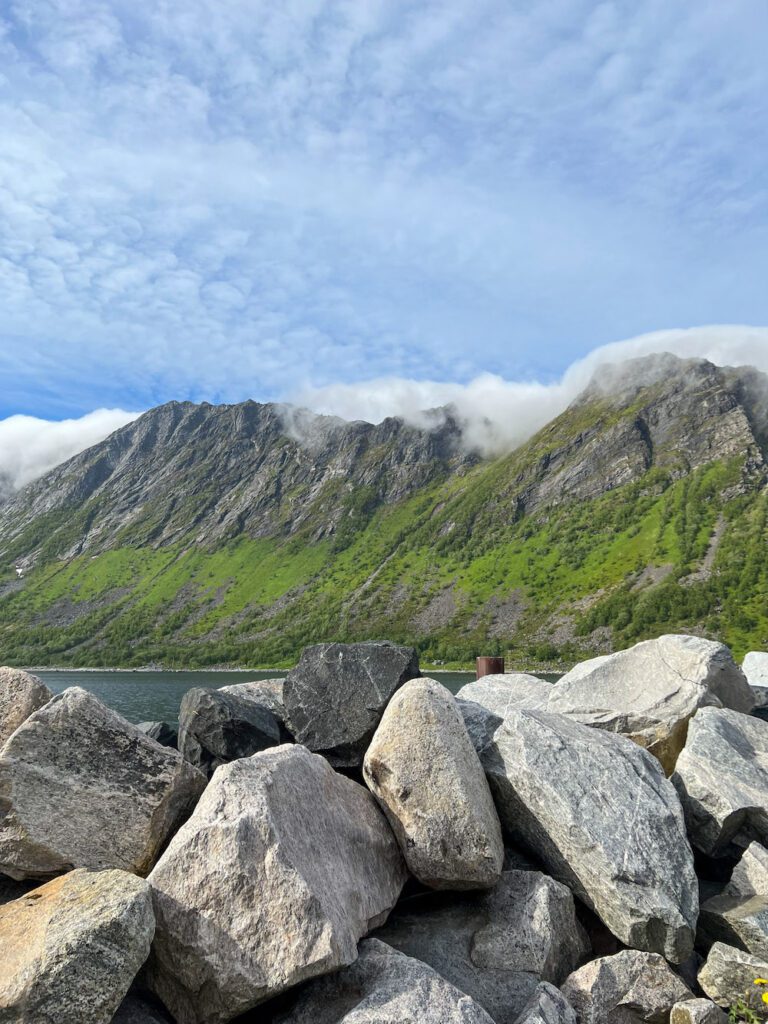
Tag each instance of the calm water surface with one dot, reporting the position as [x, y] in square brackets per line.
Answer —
[156, 696]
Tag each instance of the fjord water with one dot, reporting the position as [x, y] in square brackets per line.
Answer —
[156, 696]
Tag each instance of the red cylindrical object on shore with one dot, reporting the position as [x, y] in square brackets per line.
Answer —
[489, 667]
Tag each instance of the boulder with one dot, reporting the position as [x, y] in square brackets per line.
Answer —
[336, 695]
[21, 694]
[283, 866]
[598, 813]
[71, 949]
[217, 727]
[729, 974]
[737, 921]
[161, 732]
[496, 947]
[650, 692]
[625, 988]
[755, 668]
[697, 1011]
[506, 691]
[750, 876]
[722, 779]
[81, 787]
[382, 987]
[267, 692]
[547, 1005]
[422, 768]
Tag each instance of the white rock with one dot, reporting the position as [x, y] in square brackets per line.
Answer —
[21, 694]
[755, 668]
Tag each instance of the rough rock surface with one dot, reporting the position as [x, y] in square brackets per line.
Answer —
[163, 733]
[496, 947]
[81, 787]
[71, 949]
[750, 876]
[737, 921]
[649, 692]
[729, 973]
[281, 869]
[135, 1010]
[217, 727]
[336, 695]
[625, 988]
[755, 668]
[722, 779]
[598, 812]
[502, 692]
[422, 768]
[383, 987]
[547, 1005]
[267, 692]
[697, 1011]
[21, 694]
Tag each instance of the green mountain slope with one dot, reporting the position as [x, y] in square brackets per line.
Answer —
[640, 510]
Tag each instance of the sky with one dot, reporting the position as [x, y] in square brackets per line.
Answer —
[228, 200]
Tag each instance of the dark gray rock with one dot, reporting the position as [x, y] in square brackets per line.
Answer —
[217, 727]
[547, 1005]
[729, 974]
[135, 1010]
[737, 921]
[336, 695]
[598, 812]
[161, 732]
[497, 947]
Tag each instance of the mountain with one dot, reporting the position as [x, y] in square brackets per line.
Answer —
[236, 534]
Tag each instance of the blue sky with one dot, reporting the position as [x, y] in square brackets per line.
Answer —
[221, 200]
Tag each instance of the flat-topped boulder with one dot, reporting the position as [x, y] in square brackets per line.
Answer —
[422, 768]
[722, 779]
[497, 947]
[730, 973]
[216, 727]
[697, 1011]
[650, 692]
[506, 691]
[82, 787]
[380, 987]
[282, 868]
[335, 697]
[71, 948]
[598, 812]
[21, 694]
[267, 692]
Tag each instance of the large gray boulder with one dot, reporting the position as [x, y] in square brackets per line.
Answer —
[626, 988]
[750, 876]
[729, 974]
[82, 787]
[599, 814]
[722, 779]
[21, 694]
[755, 668]
[547, 1005]
[697, 1011]
[382, 987]
[650, 692]
[422, 768]
[71, 949]
[267, 692]
[496, 947]
[336, 695]
[281, 869]
[216, 727]
[737, 921]
[506, 691]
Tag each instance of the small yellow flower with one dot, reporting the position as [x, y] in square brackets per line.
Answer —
[761, 981]
[764, 997]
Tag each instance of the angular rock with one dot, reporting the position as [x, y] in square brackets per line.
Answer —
[21, 694]
[547, 1005]
[267, 692]
[650, 692]
[161, 732]
[750, 876]
[729, 974]
[625, 988]
[422, 768]
[283, 866]
[336, 695]
[217, 727]
[697, 1011]
[722, 779]
[737, 921]
[599, 814]
[496, 947]
[81, 787]
[506, 691]
[71, 949]
[382, 987]
[755, 668]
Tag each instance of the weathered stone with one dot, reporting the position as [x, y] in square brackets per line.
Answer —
[81, 787]
[625, 988]
[281, 869]
[737, 921]
[267, 692]
[496, 947]
[599, 814]
[336, 695]
[422, 768]
[161, 732]
[650, 692]
[750, 876]
[71, 949]
[697, 1011]
[755, 668]
[722, 779]
[21, 694]
[217, 727]
[135, 1010]
[547, 1005]
[506, 691]
[729, 974]
[383, 987]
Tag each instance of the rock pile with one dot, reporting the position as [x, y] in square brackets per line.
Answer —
[353, 845]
